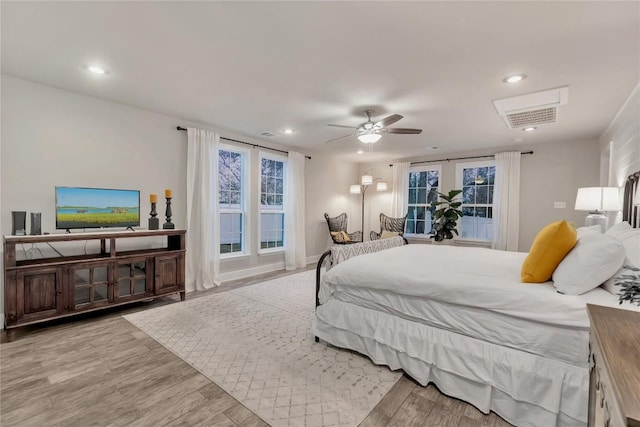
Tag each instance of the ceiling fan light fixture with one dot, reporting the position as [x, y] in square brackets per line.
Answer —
[369, 138]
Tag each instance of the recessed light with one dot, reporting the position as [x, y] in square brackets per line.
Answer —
[530, 129]
[96, 70]
[287, 131]
[360, 151]
[514, 78]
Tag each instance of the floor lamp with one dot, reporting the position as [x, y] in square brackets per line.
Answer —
[365, 182]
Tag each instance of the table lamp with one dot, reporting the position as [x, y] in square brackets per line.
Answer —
[597, 200]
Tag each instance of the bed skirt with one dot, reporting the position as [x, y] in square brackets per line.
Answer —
[524, 389]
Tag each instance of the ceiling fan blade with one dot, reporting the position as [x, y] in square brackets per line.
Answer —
[340, 137]
[343, 126]
[388, 121]
[404, 130]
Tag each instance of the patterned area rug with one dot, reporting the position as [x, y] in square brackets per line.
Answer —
[256, 343]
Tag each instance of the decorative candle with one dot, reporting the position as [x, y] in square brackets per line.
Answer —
[153, 198]
[167, 193]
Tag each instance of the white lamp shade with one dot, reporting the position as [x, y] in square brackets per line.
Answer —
[598, 199]
[381, 186]
[369, 138]
[367, 180]
[354, 189]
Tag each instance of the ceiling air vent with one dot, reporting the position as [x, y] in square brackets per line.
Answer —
[269, 134]
[532, 109]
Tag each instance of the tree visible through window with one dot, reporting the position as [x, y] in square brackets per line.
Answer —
[271, 203]
[477, 181]
[424, 184]
[231, 200]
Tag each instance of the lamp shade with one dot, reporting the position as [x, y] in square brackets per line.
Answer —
[369, 138]
[366, 180]
[354, 189]
[381, 186]
[598, 199]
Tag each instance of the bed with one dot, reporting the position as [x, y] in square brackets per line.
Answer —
[461, 318]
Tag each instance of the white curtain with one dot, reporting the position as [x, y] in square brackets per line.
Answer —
[400, 188]
[506, 201]
[203, 226]
[295, 255]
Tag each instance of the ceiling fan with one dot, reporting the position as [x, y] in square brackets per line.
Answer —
[370, 132]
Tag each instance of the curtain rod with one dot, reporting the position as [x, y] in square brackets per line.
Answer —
[460, 158]
[247, 143]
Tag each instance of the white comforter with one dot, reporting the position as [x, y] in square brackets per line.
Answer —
[472, 277]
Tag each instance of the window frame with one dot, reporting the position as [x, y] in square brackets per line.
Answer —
[459, 184]
[244, 190]
[261, 207]
[421, 168]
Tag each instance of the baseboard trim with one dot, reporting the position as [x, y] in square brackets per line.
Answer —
[248, 272]
[261, 269]
[313, 259]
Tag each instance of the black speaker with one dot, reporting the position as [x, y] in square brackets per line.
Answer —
[18, 223]
[36, 227]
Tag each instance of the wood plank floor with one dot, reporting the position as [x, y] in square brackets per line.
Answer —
[100, 370]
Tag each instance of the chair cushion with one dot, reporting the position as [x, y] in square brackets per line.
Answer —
[340, 236]
[387, 234]
[550, 246]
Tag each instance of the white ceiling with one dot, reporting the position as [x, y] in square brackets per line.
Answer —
[251, 67]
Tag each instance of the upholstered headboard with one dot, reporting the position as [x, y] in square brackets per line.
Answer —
[631, 211]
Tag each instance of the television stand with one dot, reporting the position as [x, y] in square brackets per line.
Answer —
[42, 289]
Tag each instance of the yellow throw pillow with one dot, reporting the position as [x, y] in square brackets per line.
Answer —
[340, 236]
[549, 247]
[387, 234]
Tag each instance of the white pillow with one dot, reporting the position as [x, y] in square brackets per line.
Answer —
[588, 230]
[630, 238]
[619, 230]
[594, 259]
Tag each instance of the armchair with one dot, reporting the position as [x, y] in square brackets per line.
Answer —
[338, 229]
[387, 223]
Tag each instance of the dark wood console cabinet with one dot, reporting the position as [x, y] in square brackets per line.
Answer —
[45, 288]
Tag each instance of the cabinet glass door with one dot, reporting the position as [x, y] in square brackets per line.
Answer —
[132, 277]
[91, 285]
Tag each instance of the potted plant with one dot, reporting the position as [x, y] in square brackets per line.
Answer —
[446, 215]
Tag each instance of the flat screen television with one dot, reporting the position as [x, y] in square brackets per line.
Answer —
[78, 207]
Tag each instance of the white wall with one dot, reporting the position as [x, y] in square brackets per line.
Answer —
[620, 144]
[552, 174]
[54, 137]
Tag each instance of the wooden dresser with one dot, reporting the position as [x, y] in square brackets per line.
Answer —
[614, 395]
[107, 269]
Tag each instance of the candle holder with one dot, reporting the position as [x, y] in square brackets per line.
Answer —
[154, 223]
[168, 225]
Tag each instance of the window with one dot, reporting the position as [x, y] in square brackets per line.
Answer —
[272, 184]
[231, 188]
[424, 185]
[476, 181]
